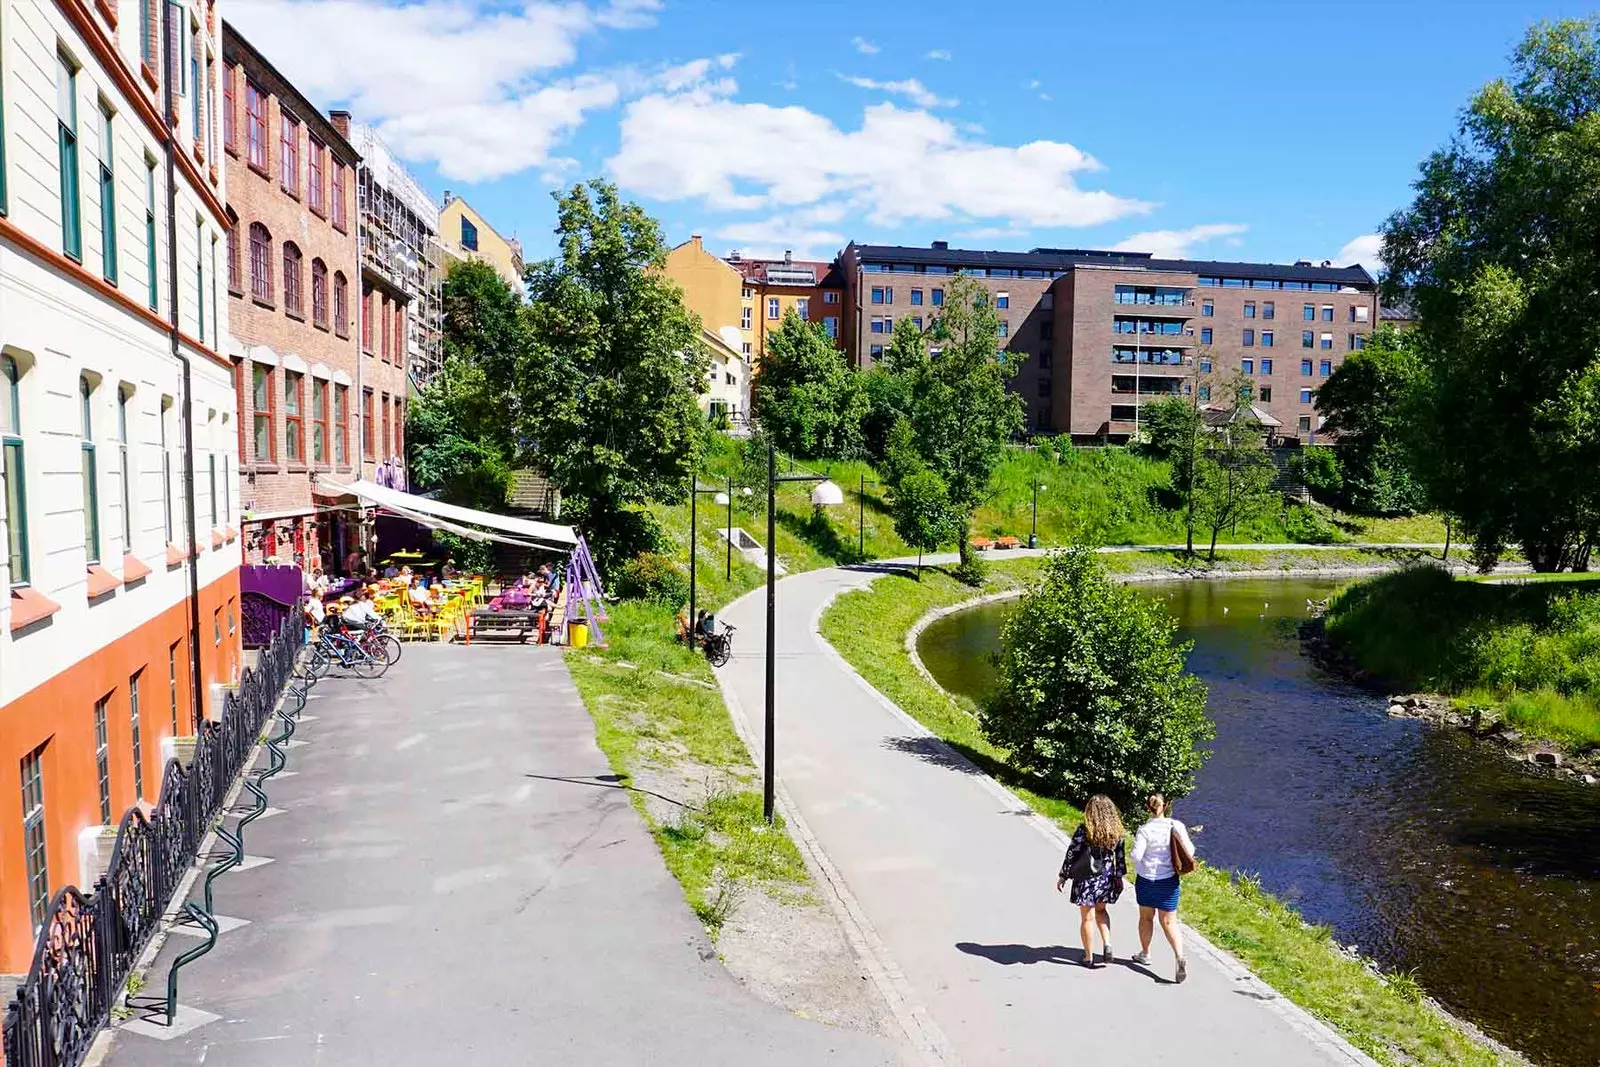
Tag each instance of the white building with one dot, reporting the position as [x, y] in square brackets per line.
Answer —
[104, 654]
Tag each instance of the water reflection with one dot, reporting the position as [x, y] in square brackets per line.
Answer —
[1424, 848]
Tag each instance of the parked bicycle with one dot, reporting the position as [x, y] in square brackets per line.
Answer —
[345, 649]
[719, 645]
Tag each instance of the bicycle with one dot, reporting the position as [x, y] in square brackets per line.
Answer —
[345, 651]
[719, 646]
[379, 642]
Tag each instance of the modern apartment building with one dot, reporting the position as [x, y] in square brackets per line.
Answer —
[118, 448]
[466, 234]
[1100, 333]
[294, 276]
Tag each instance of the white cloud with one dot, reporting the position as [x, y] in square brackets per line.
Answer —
[460, 83]
[771, 237]
[1366, 250]
[939, 53]
[910, 88]
[991, 233]
[899, 165]
[864, 46]
[1176, 244]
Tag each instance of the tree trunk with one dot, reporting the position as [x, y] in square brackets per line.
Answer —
[1448, 530]
[1212, 557]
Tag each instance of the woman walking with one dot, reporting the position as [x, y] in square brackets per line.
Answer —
[1096, 865]
[1157, 887]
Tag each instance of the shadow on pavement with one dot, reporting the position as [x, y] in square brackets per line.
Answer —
[934, 751]
[1009, 955]
[609, 781]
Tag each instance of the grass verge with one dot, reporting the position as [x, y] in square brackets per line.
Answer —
[1386, 1017]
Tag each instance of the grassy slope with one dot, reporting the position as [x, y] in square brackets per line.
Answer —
[1533, 648]
[1385, 1018]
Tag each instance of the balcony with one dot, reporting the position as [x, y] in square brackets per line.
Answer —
[1171, 335]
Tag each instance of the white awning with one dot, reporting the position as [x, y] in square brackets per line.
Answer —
[549, 533]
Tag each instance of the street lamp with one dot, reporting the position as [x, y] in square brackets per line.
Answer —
[826, 494]
[694, 498]
[726, 497]
[1033, 534]
[861, 516]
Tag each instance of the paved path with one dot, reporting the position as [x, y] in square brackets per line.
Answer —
[454, 882]
[959, 882]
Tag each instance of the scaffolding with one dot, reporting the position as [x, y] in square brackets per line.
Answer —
[400, 243]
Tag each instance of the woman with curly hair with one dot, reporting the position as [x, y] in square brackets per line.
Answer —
[1096, 865]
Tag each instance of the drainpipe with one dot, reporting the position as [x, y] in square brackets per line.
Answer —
[169, 116]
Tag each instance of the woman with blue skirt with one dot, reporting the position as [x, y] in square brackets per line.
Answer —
[1158, 887]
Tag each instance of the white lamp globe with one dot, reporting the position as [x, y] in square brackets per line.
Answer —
[827, 494]
[721, 498]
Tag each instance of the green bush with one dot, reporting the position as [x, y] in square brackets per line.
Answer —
[652, 576]
[1306, 525]
[1318, 468]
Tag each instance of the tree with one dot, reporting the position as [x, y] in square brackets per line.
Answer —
[1177, 434]
[804, 394]
[1232, 473]
[1499, 251]
[1092, 694]
[920, 505]
[1368, 404]
[606, 397]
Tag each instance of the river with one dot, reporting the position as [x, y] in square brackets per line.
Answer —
[1428, 850]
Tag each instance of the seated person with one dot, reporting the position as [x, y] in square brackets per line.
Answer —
[418, 595]
[449, 569]
[707, 625]
[315, 612]
[363, 614]
[682, 621]
[391, 571]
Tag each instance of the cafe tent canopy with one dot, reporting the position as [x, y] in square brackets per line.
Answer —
[453, 516]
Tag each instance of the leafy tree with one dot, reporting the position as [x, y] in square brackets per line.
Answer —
[1092, 694]
[1499, 251]
[1368, 404]
[1318, 467]
[805, 395]
[1177, 434]
[606, 397]
[901, 458]
[920, 505]
[887, 399]
[1232, 472]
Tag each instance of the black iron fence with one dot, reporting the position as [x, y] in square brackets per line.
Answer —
[89, 943]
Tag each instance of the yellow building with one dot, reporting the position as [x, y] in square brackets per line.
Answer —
[712, 290]
[466, 234]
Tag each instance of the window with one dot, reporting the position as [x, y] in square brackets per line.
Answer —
[336, 197]
[1046, 358]
[1268, 311]
[1249, 309]
[1249, 338]
[67, 147]
[383, 441]
[399, 425]
[1044, 388]
[1247, 366]
[1325, 368]
[108, 196]
[293, 412]
[1266, 394]
[745, 350]
[1309, 312]
[227, 490]
[319, 422]
[469, 234]
[1205, 365]
[255, 125]
[772, 307]
[341, 425]
[315, 155]
[216, 627]
[879, 324]
[341, 305]
[292, 294]
[1305, 396]
[744, 318]
[233, 621]
[1002, 300]
[938, 298]
[33, 840]
[262, 400]
[91, 488]
[877, 350]
[366, 319]
[200, 277]
[1358, 341]
[1305, 423]
[877, 294]
[366, 424]
[1307, 339]
[194, 81]
[138, 738]
[1266, 366]
[289, 152]
[166, 470]
[802, 307]
[1327, 312]
[1205, 392]
[1266, 338]
[1003, 328]
[260, 264]
[230, 133]
[1207, 309]
[126, 474]
[831, 296]
[172, 684]
[399, 334]
[1358, 313]
[11, 453]
[746, 293]
[211, 486]
[1326, 340]
[830, 325]
[916, 320]
[1305, 367]
[319, 293]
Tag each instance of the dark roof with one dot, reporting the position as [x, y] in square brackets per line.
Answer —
[1070, 258]
[235, 48]
[1399, 310]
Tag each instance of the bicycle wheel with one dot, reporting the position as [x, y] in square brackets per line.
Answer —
[722, 652]
[385, 647]
[365, 665]
[320, 662]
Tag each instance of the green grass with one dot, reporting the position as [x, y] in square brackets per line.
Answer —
[1247, 560]
[1384, 1017]
[1532, 648]
[656, 707]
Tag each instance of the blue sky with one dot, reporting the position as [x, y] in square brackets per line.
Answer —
[1227, 130]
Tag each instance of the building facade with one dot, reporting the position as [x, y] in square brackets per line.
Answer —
[1098, 334]
[773, 287]
[117, 425]
[294, 279]
[466, 234]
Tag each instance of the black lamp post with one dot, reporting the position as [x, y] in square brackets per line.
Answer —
[1033, 533]
[694, 498]
[825, 494]
[861, 516]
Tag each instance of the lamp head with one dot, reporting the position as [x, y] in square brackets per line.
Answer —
[827, 494]
[721, 498]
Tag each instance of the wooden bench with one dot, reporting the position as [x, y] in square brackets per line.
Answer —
[981, 544]
[517, 624]
[1007, 542]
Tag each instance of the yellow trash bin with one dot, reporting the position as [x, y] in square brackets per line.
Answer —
[578, 634]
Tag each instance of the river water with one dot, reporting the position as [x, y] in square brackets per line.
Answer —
[1426, 849]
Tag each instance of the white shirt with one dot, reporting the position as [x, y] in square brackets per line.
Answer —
[361, 612]
[418, 595]
[1152, 848]
[315, 610]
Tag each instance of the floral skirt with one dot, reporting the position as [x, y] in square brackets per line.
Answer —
[1103, 888]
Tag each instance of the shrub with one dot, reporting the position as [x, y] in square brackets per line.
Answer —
[1091, 692]
[652, 576]
[971, 571]
[1319, 469]
[1306, 525]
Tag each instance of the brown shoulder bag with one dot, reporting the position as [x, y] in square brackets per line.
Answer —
[1182, 858]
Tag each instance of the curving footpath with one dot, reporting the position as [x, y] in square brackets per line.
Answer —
[949, 882]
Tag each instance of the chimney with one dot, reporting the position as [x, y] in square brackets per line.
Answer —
[341, 122]
[787, 256]
[1327, 263]
[447, 198]
[1302, 263]
[733, 256]
[941, 246]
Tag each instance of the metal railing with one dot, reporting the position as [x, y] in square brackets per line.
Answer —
[89, 943]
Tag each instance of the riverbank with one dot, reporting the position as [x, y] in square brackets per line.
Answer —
[1386, 1016]
[1517, 664]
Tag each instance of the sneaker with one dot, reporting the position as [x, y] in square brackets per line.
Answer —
[1183, 970]
[1141, 958]
[1107, 957]
[1091, 961]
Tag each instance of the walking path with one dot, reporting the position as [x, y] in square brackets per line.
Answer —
[955, 880]
[455, 879]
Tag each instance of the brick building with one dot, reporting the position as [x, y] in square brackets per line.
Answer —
[812, 288]
[293, 284]
[1099, 333]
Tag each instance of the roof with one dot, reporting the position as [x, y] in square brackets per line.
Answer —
[436, 513]
[770, 271]
[234, 42]
[1220, 416]
[1061, 259]
[1399, 310]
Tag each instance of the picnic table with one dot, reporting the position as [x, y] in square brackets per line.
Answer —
[505, 622]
